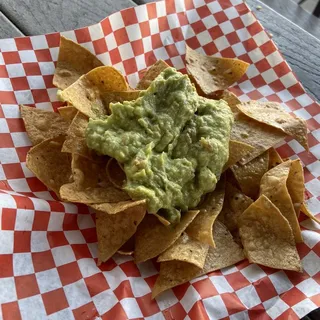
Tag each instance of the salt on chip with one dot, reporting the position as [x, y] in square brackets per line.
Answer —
[273, 114]
[214, 73]
[274, 158]
[114, 230]
[186, 249]
[41, 124]
[295, 185]
[73, 61]
[67, 112]
[249, 175]
[201, 227]
[274, 187]
[86, 94]
[306, 211]
[115, 173]
[49, 164]
[237, 151]
[225, 254]
[151, 74]
[153, 238]
[256, 134]
[231, 99]
[267, 236]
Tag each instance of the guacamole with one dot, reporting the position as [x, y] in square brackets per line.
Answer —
[172, 143]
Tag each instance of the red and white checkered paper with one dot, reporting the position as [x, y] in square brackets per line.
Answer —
[48, 249]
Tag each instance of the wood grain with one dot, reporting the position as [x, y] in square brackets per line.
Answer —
[38, 17]
[7, 28]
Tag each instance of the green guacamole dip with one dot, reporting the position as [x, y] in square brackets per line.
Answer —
[172, 143]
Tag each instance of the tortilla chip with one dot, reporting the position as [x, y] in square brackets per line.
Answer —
[86, 94]
[273, 114]
[267, 237]
[237, 151]
[119, 96]
[49, 164]
[256, 134]
[274, 186]
[67, 112]
[73, 61]
[114, 208]
[249, 175]
[186, 249]
[225, 254]
[295, 185]
[114, 230]
[115, 173]
[214, 73]
[234, 204]
[153, 238]
[151, 74]
[306, 211]
[274, 158]
[231, 99]
[201, 227]
[42, 125]
[76, 137]
[128, 248]
[164, 221]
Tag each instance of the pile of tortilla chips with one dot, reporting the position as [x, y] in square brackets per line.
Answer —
[253, 212]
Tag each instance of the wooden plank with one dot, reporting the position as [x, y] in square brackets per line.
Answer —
[7, 28]
[38, 17]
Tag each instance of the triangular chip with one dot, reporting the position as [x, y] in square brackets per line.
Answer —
[115, 173]
[86, 94]
[186, 249]
[73, 61]
[306, 211]
[41, 124]
[49, 164]
[151, 74]
[249, 175]
[295, 185]
[256, 134]
[114, 230]
[114, 208]
[231, 99]
[226, 253]
[214, 73]
[267, 237]
[152, 237]
[201, 227]
[235, 203]
[273, 114]
[237, 151]
[274, 158]
[274, 186]
[67, 112]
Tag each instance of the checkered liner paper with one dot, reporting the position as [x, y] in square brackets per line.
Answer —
[48, 248]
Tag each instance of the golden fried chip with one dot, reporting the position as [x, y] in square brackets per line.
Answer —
[114, 230]
[295, 185]
[151, 74]
[49, 164]
[164, 221]
[119, 96]
[186, 249]
[214, 73]
[115, 173]
[256, 134]
[306, 211]
[231, 99]
[274, 186]
[235, 203]
[114, 208]
[237, 151]
[226, 253]
[67, 112]
[42, 125]
[86, 94]
[153, 238]
[249, 175]
[73, 61]
[273, 114]
[274, 158]
[76, 137]
[267, 237]
[201, 227]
